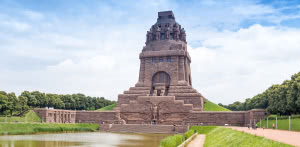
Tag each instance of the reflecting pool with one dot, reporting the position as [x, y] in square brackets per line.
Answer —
[94, 139]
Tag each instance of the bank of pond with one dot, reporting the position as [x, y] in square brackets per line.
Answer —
[215, 136]
[31, 128]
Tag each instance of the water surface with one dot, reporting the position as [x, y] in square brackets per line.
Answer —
[94, 139]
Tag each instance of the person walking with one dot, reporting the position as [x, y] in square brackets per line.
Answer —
[273, 126]
[263, 127]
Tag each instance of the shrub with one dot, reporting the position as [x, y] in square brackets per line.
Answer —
[172, 141]
[188, 134]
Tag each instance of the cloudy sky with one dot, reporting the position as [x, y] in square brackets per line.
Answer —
[238, 48]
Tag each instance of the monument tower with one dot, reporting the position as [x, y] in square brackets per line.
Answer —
[164, 76]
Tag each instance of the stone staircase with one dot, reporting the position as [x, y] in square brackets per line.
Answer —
[140, 128]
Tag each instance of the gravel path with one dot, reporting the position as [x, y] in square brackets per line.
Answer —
[287, 137]
[198, 141]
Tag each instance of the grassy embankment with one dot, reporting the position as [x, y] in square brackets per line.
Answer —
[33, 125]
[210, 106]
[30, 116]
[108, 108]
[222, 137]
[282, 124]
[30, 128]
[175, 140]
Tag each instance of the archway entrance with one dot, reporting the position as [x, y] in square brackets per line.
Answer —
[160, 84]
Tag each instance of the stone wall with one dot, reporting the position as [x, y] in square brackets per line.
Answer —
[97, 117]
[56, 115]
[169, 112]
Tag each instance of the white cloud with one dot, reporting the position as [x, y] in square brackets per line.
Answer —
[250, 10]
[245, 62]
[33, 15]
[96, 52]
[15, 25]
[93, 64]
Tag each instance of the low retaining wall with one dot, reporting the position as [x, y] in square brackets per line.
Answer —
[234, 118]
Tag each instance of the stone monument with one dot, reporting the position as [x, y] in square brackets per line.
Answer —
[164, 76]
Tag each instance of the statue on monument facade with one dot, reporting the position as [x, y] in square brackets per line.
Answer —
[183, 35]
[157, 32]
[176, 32]
[167, 32]
[154, 111]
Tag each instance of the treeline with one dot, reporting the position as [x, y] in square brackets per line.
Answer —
[283, 99]
[10, 104]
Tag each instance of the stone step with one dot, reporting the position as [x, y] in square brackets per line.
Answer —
[185, 94]
[182, 91]
[139, 128]
[130, 95]
[137, 92]
[140, 88]
[181, 87]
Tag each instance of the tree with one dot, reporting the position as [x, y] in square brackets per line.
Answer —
[3, 102]
[22, 103]
[31, 100]
[13, 102]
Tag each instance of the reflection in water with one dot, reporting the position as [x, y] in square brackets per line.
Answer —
[82, 139]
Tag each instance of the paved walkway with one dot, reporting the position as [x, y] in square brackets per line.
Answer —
[198, 141]
[287, 137]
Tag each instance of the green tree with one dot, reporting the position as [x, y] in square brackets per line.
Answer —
[3, 103]
[13, 102]
[22, 105]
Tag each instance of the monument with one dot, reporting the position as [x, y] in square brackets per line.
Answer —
[163, 95]
[165, 81]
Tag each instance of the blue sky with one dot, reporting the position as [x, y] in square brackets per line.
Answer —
[238, 48]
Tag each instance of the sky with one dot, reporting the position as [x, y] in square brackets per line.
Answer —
[238, 48]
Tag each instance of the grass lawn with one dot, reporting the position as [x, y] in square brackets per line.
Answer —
[283, 124]
[30, 116]
[226, 137]
[30, 128]
[203, 129]
[108, 108]
[209, 106]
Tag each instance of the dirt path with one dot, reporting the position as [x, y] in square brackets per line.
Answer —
[287, 137]
[198, 141]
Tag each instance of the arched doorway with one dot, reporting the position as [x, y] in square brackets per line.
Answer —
[160, 84]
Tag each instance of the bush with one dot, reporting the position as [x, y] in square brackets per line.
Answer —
[172, 141]
[188, 134]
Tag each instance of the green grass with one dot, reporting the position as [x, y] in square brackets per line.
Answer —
[175, 140]
[225, 137]
[172, 141]
[188, 134]
[108, 108]
[30, 128]
[30, 116]
[209, 106]
[203, 129]
[282, 124]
